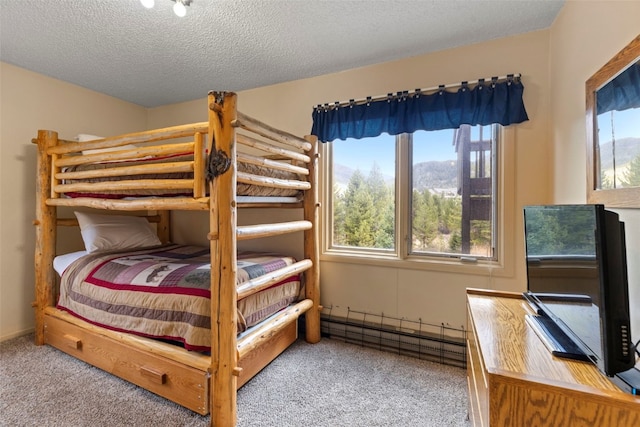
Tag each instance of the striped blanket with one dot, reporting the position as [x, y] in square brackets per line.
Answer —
[164, 292]
[242, 189]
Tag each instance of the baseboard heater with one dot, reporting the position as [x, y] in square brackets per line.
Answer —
[439, 343]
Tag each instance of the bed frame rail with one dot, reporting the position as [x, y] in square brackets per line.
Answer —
[143, 160]
[263, 282]
[134, 161]
[173, 132]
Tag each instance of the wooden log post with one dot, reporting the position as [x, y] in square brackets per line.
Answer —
[138, 153]
[128, 171]
[273, 164]
[164, 226]
[174, 132]
[265, 181]
[223, 223]
[260, 128]
[145, 204]
[45, 234]
[311, 207]
[270, 148]
[198, 166]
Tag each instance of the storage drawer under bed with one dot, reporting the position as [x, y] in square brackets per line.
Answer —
[175, 381]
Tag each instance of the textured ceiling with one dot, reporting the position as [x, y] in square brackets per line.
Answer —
[151, 57]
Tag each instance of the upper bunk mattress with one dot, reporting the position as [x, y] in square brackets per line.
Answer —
[242, 189]
[165, 293]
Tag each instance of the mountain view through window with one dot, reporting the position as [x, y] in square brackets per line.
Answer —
[450, 192]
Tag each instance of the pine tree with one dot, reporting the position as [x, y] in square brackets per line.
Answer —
[339, 216]
[452, 215]
[455, 243]
[606, 183]
[359, 210]
[425, 218]
[631, 178]
[384, 212]
[481, 234]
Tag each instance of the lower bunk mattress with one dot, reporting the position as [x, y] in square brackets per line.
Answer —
[164, 292]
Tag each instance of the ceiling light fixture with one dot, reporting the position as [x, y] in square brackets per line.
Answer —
[179, 8]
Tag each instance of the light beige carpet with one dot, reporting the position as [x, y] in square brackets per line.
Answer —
[327, 384]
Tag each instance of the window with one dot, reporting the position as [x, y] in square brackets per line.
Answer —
[420, 195]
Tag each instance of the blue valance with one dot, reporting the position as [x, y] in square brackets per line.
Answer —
[621, 93]
[484, 104]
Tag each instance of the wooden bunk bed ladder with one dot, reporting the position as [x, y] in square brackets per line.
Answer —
[223, 121]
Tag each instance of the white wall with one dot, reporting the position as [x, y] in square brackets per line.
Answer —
[583, 38]
[29, 102]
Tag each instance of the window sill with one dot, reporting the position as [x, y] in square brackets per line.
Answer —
[447, 265]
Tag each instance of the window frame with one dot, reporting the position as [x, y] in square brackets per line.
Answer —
[400, 257]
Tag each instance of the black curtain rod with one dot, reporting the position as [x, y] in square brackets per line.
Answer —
[416, 92]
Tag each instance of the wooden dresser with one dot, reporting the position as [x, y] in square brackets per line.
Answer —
[514, 381]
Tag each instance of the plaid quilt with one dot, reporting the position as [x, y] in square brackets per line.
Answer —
[164, 292]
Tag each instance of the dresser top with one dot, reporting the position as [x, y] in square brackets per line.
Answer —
[510, 347]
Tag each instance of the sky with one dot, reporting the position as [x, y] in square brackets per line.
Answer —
[625, 124]
[437, 145]
[361, 154]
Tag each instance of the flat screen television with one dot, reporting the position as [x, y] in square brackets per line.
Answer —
[577, 283]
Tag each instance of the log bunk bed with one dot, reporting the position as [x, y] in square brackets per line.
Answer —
[203, 382]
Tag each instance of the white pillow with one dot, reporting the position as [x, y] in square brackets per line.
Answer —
[114, 232]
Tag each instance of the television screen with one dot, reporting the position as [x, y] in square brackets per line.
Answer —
[576, 279]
